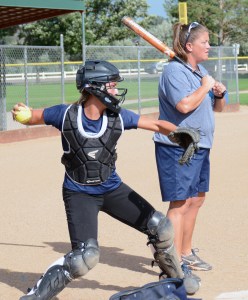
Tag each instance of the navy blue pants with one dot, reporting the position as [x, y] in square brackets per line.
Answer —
[123, 204]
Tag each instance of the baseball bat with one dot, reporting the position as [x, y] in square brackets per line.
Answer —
[154, 41]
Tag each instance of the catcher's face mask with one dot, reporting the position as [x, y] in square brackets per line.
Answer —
[100, 78]
[119, 93]
[109, 95]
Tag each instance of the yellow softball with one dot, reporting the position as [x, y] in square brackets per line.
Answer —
[23, 115]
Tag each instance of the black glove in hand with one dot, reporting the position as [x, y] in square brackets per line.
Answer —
[187, 138]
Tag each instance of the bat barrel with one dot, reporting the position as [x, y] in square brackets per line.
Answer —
[155, 42]
[151, 39]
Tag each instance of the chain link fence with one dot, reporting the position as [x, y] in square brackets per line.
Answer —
[31, 75]
[39, 76]
[142, 66]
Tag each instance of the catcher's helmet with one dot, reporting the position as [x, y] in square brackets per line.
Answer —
[93, 77]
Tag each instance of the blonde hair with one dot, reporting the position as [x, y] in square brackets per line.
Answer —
[181, 36]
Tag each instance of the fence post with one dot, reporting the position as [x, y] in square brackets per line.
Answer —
[26, 76]
[62, 68]
[139, 80]
[236, 53]
[219, 69]
[137, 43]
[3, 111]
[83, 39]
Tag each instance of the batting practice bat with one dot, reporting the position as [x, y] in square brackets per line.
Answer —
[155, 42]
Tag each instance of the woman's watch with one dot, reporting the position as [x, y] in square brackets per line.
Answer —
[222, 95]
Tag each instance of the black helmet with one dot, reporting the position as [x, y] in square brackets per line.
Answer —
[93, 77]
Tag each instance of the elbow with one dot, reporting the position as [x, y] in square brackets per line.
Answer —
[184, 106]
[184, 109]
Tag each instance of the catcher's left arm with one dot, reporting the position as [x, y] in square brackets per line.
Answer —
[187, 138]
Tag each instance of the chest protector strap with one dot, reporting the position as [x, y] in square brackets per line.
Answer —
[91, 157]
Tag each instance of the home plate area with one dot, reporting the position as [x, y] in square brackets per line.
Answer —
[241, 295]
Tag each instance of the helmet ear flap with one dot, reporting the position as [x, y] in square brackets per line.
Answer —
[80, 79]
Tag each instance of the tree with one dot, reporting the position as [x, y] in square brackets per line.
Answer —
[47, 33]
[6, 34]
[103, 19]
[103, 26]
[163, 32]
[227, 20]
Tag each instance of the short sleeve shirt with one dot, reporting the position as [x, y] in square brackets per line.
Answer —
[176, 83]
[54, 116]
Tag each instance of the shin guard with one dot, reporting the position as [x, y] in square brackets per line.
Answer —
[161, 237]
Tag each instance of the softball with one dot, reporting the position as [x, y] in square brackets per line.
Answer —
[23, 115]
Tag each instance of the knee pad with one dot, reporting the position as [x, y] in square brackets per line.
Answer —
[160, 230]
[74, 264]
[83, 259]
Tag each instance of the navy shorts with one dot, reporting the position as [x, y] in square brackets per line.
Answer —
[180, 182]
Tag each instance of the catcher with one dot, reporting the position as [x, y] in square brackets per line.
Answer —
[90, 129]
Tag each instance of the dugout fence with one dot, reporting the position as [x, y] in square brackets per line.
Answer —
[41, 76]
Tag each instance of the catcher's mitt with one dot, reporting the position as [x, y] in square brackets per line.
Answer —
[187, 138]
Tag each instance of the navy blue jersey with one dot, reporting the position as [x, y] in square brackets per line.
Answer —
[54, 116]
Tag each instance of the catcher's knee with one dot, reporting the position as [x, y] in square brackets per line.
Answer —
[82, 259]
[160, 231]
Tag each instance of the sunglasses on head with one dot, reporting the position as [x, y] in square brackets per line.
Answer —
[191, 26]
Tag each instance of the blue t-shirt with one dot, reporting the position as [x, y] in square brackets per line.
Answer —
[54, 116]
[177, 82]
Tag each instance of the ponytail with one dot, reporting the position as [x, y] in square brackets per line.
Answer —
[179, 31]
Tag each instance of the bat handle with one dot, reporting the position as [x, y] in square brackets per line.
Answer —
[198, 74]
[188, 67]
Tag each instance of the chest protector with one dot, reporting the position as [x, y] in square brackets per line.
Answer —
[91, 156]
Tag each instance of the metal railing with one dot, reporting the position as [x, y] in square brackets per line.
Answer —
[40, 77]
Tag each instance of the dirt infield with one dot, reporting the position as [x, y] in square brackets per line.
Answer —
[34, 230]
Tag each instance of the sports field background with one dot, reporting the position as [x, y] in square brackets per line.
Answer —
[38, 94]
[34, 230]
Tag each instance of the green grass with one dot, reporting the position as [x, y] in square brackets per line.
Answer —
[243, 84]
[43, 95]
[145, 104]
[243, 99]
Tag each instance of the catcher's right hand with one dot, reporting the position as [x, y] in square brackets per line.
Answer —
[187, 138]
